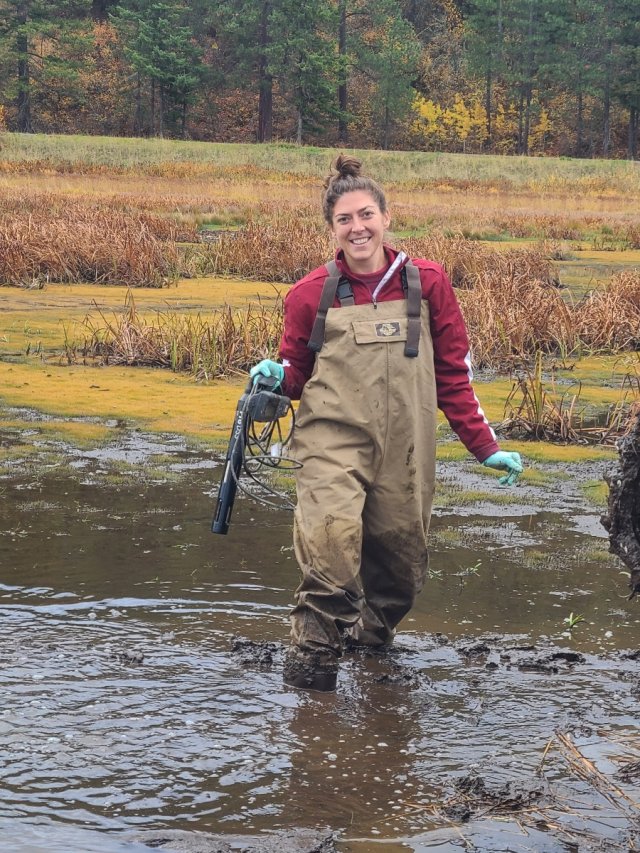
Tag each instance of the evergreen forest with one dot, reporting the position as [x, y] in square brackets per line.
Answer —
[527, 77]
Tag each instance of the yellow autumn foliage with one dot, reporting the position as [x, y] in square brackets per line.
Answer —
[436, 126]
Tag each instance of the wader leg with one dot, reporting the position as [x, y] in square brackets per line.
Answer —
[329, 597]
[394, 562]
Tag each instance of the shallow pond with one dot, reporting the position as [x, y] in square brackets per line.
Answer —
[142, 706]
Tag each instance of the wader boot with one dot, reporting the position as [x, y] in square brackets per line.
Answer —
[365, 435]
[310, 670]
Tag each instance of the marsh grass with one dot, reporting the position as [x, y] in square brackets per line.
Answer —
[512, 304]
[84, 244]
[280, 246]
[534, 411]
[283, 245]
[228, 342]
[608, 318]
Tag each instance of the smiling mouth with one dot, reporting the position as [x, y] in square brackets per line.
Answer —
[360, 241]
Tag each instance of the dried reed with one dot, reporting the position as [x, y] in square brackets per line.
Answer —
[608, 319]
[229, 341]
[283, 248]
[85, 244]
[534, 412]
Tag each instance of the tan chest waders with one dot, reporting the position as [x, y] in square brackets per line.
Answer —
[365, 434]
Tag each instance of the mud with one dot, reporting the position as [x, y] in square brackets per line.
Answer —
[141, 662]
[258, 655]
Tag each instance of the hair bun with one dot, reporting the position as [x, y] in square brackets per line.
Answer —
[344, 166]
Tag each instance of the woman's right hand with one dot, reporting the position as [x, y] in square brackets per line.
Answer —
[266, 367]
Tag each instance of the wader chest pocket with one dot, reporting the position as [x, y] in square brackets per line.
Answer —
[380, 331]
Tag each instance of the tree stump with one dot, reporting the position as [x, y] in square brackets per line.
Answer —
[623, 518]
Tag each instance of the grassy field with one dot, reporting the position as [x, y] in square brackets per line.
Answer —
[397, 167]
[205, 232]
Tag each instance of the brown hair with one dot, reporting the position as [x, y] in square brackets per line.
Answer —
[346, 177]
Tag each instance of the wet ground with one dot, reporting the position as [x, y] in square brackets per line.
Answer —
[140, 672]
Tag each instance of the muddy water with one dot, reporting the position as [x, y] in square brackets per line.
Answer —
[141, 705]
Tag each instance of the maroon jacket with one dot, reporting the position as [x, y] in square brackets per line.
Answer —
[452, 359]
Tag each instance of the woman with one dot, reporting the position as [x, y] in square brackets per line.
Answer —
[373, 344]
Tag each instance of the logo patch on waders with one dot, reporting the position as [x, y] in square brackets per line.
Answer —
[387, 330]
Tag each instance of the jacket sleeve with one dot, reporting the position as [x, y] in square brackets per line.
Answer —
[452, 362]
[297, 359]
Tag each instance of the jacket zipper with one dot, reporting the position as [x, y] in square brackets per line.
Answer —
[400, 259]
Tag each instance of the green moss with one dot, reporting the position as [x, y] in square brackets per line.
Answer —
[536, 477]
[450, 494]
[596, 491]
[561, 453]
[535, 559]
[448, 537]
[596, 554]
[452, 451]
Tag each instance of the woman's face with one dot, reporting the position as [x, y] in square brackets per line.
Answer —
[358, 226]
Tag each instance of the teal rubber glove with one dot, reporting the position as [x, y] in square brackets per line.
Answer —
[509, 462]
[266, 367]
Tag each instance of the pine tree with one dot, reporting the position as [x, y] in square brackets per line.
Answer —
[382, 45]
[162, 50]
[391, 57]
[55, 25]
[305, 60]
[485, 51]
[626, 78]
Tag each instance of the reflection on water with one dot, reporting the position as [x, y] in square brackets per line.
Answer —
[124, 708]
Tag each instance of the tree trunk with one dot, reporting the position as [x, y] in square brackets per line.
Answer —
[527, 121]
[265, 109]
[386, 131]
[153, 107]
[579, 125]
[137, 117]
[161, 112]
[342, 85]
[632, 144]
[183, 119]
[623, 518]
[487, 109]
[606, 92]
[265, 100]
[606, 118]
[520, 147]
[23, 99]
[100, 10]
[299, 128]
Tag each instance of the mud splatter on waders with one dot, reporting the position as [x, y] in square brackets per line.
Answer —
[365, 434]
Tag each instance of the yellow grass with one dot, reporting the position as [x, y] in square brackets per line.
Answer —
[155, 400]
[80, 433]
[32, 317]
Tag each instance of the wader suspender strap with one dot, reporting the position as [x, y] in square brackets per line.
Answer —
[412, 286]
[333, 283]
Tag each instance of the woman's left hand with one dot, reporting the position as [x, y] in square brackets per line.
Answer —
[509, 462]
